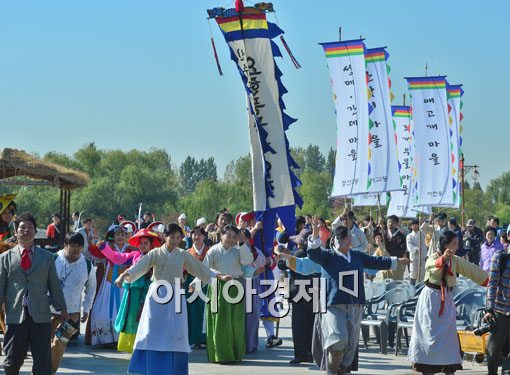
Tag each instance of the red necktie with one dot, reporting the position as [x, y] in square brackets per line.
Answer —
[25, 260]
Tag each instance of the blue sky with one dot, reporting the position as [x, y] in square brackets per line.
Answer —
[141, 74]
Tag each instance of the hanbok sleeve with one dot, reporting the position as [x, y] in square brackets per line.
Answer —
[90, 291]
[471, 271]
[376, 262]
[315, 252]
[246, 255]
[141, 267]
[303, 266]
[116, 257]
[198, 269]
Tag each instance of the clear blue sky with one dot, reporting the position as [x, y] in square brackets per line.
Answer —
[141, 74]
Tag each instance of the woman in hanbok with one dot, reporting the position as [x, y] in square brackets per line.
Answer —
[196, 309]
[126, 322]
[434, 346]
[226, 341]
[108, 297]
[161, 344]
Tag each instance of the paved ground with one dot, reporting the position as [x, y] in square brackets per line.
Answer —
[80, 359]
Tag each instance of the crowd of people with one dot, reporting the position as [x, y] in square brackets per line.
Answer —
[112, 283]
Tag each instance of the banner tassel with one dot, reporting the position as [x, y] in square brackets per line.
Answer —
[216, 57]
[214, 50]
[291, 55]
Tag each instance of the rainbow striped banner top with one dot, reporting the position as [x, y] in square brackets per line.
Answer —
[454, 91]
[251, 24]
[401, 111]
[424, 83]
[341, 49]
[373, 55]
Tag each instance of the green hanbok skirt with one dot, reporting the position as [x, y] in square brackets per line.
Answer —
[129, 312]
[226, 334]
[195, 315]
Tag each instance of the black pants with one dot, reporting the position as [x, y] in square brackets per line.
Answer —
[474, 256]
[495, 344]
[16, 340]
[302, 328]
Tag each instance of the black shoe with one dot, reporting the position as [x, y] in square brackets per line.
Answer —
[296, 361]
[273, 341]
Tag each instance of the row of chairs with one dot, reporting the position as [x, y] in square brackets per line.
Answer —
[379, 311]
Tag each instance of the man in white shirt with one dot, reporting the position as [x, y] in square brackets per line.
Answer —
[77, 277]
[359, 240]
[417, 252]
[435, 228]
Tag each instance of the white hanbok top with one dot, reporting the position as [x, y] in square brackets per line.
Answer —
[164, 326]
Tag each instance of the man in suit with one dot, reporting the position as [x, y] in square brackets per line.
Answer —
[27, 274]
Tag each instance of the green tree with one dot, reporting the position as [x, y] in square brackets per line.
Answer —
[503, 213]
[191, 172]
[88, 158]
[314, 159]
[205, 201]
[498, 191]
[330, 161]
[315, 192]
[238, 185]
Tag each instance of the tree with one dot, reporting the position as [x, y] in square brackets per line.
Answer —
[503, 213]
[330, 161]
[192, 172]
[187, 176]
[314, 159]
[88, 158]
[315, 192]
[238, 184]
[205, 201]
[498, 191]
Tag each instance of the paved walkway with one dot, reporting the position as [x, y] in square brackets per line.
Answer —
[81, 359]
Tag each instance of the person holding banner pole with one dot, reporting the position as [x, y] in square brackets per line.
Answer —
[417, 252]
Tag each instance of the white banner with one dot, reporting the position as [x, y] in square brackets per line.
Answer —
[346, 62]
[454, 93]
[383, 174]
[272, 185]
[401, 201]
[432, 155]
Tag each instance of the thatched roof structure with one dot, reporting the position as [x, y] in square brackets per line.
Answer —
[14, 163]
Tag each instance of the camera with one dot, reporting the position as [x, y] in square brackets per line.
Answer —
[67, 330]
[491, 324]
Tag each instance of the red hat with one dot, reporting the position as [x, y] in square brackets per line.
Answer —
[147, 233]
[129, 225]
[155, 226]
[246, 216]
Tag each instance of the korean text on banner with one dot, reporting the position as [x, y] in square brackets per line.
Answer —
[346, 62]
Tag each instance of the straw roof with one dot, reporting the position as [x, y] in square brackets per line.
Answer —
[15, 163]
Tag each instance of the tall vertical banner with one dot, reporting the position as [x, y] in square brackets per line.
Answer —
[346, 62]
[383, 172]
[249, 36]
[432, 153]
[454, 93]
[401, 202]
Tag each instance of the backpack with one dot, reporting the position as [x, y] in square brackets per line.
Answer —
[88, 262]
